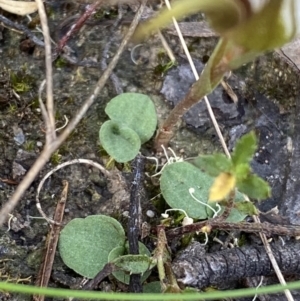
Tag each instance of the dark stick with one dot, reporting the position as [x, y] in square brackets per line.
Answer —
[195, 269]
[46, 267]
[22, 28]
[108, 269]
[89, 11]
[135, 218]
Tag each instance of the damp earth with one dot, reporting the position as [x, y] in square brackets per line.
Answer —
[268, 103]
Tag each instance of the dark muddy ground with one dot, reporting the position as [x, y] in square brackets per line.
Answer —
[268, 103]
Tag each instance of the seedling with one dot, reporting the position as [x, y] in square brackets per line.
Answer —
[87, 245]
[133, 122]
[185, 186]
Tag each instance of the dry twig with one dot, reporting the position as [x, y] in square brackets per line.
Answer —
[46, 267]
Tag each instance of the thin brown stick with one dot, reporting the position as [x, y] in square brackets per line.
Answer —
[53, 146]
[79, 23]
[46, 267]
[266, 228]
[107, 270]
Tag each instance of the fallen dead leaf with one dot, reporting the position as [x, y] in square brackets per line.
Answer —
[21, 8]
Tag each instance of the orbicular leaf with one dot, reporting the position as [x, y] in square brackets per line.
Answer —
[254, 187]
[213, 164]
[121, 142]
[120, 251]
[244, 149]
[134, 264]
[135, 111]
[222, 186]
[84, 243]
[175, 182]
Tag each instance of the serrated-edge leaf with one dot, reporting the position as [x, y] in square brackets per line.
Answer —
[246, 208]
[244, 149]
[242, 171]
[254, 187]
[213, 164]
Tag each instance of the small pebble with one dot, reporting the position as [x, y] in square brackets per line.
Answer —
[150, 213]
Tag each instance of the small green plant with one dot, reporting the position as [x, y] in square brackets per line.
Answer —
[132, 122]
[191, 187]
[55, 158]
[164, 64]
[12, 108]
[29, 145]
[234, 172]
[21, 81]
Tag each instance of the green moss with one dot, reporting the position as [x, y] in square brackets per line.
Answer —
[55, 158]
[60, 62]
[29, 145]
[164, 64]
[21, 81]
[12, 108]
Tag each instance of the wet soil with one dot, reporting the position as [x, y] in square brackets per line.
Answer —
[268, 97]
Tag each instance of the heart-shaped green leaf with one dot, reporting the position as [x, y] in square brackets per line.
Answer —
[85, 244]
[254, 187]
[121, 142]
[136, 111]
[213, 164]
